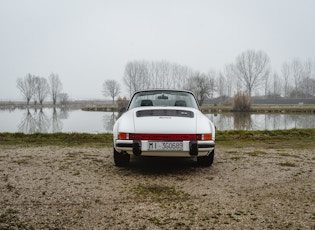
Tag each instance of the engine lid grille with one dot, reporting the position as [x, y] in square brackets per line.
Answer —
[165, 112]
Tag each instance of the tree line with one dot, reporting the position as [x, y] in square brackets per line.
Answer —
[250, 73]
[38, 89]
[140, 75]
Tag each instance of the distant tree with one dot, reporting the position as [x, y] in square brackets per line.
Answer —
[297, 70]
[251, 68]
[111, 88]
[276, 86]
[63, 98]
[155, 75]
[166, 75]
[41, 89]
[221, 83]
[211, 76]
[122, 102]
[285, 71]
[302, 75]
[55, 87]
[266, 83]
[308, 78]
[201, 85]
[226, 81]
[242, 102]
[136, 76]
[27, 87]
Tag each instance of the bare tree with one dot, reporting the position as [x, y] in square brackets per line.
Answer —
[122, 103]
[168, 75]
[303, 75]
[201, 85]
[299, 78]
[55, 87]
[27, 87]
[221, 85]
[286, 78]
[136, 76]
[111, 88]
[179, 76]
[162, 74]
[211, 76]
[41, 89]
[297, 70]
[251, 68]
[63, 98]
[308, 87]
[307, 83]
[228, 74]
[266, 82]
[242, 102]
[276, 86]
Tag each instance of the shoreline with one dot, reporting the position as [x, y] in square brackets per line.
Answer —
[106, 106]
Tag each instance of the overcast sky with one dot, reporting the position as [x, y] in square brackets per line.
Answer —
[87, 42]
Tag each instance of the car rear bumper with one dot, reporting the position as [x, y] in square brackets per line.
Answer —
[190, 148]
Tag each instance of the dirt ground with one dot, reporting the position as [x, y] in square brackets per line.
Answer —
[80, 188]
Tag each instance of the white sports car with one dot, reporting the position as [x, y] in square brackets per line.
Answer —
[166, 123]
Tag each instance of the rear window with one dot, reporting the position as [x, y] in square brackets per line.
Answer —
[163, 98]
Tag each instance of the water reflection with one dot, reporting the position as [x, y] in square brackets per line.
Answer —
[34, 122]
[49, 120]
[37, 121]
[57, 116]
[245, 121]
[109, 120]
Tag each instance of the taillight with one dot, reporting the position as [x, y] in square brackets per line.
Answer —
[204, 137]
[207, 136]
[126, 136]
[123, 136]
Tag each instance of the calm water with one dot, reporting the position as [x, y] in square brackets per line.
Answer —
[60, 120]
[50, 120]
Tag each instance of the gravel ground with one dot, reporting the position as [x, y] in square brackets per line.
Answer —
[80, 188]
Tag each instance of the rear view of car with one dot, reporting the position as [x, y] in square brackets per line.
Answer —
[166, 123]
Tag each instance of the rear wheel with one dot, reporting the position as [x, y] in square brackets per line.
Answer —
[206, 160]
[121, 159]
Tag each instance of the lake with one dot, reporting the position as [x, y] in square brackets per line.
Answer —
[49, 120]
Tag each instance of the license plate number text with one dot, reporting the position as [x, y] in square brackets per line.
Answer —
[166, 146]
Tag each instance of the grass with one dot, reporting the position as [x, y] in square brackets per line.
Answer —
[293, 138]
[58, 139]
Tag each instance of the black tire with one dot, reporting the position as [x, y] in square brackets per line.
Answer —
[206, 160]
[121, 159]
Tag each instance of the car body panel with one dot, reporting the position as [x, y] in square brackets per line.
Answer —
[164, 124]
[172, 130]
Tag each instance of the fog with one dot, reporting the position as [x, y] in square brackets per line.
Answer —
[88, 42]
